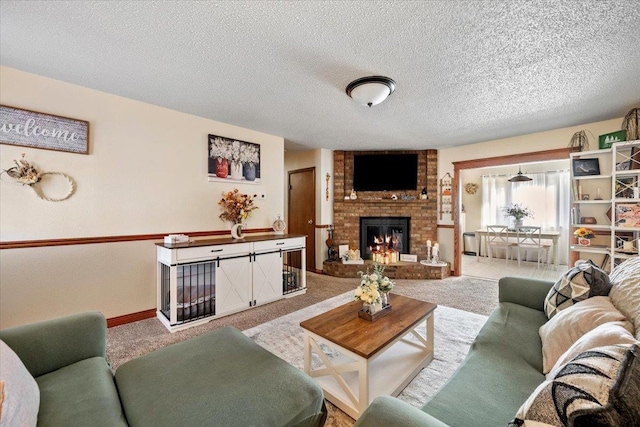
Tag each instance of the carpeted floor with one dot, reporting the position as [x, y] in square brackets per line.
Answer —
[135, 339]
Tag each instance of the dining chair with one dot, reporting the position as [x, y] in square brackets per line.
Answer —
[528, 239]
[498, 237]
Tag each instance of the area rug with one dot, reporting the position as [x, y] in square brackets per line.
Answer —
[454, 332]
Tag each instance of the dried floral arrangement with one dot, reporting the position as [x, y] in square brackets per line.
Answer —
[236, 206]
[24, 172]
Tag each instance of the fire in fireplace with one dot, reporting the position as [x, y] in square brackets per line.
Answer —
[384, 236]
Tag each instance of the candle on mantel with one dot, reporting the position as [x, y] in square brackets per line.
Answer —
[436, 249]
[428, 243]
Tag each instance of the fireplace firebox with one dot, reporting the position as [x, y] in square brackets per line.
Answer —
[384, 234]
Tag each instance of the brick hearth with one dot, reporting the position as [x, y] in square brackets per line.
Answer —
[401, 270]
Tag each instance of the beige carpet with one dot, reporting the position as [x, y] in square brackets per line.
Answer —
[135, 339]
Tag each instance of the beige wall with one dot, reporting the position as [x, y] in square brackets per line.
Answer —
[146, 173]
[540, 141]
[322, 161]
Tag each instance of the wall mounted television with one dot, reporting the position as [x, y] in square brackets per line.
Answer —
[385, 172]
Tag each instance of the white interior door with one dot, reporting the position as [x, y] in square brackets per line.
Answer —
[233, 285]
[267, 277]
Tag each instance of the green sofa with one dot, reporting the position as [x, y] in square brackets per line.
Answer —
[221, 378]
[503, 367]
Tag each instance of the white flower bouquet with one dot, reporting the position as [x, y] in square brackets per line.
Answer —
[373, 286]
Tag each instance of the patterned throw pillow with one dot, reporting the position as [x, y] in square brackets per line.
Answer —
[600, 387]
[583, 281]
[625, 290]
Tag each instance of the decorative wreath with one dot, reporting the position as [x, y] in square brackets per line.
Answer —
[26, 174]
[471, 188]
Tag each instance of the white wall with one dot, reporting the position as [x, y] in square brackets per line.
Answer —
[540, 141]
[146, 172]
[322, 160]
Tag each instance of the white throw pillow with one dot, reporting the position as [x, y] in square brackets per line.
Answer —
[611, 333]
[625, 291]
[570, 324]
[21, 396]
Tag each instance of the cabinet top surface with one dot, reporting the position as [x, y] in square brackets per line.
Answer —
[228, 241]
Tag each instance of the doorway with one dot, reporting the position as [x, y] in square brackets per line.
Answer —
[301, 212]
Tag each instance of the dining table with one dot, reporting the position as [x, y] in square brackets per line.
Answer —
[552, 235]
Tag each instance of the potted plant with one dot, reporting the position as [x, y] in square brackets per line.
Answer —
[584, 236]
[518, 212]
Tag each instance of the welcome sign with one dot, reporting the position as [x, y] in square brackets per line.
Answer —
[38, 130]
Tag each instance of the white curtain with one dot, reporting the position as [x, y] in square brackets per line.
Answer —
[547, 195]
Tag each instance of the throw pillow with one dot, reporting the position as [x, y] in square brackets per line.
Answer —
[569, 325]
[21, 395]
[583, 281]
[606, 334]
[625, 291]
[600, 387]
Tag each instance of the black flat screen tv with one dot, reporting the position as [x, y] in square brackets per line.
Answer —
[385, 172]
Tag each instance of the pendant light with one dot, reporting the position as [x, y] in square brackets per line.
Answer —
[371, 90]
[520, 177]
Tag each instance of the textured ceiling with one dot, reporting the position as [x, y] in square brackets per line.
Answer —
[467, 71]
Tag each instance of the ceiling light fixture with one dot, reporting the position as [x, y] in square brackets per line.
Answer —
[520, 177]
[371, 90]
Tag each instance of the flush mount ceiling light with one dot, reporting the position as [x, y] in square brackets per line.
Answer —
[371, 90]
[520, 177]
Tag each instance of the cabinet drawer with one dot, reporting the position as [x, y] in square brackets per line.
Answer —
[270, 245]
[210, 252]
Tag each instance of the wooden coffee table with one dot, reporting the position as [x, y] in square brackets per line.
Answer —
[375, 358]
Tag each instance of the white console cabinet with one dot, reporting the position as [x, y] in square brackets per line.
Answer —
[204, 279]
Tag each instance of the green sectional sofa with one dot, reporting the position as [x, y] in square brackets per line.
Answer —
[221, 378]
[503, 367]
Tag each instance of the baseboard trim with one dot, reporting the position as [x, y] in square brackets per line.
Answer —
[130, 318]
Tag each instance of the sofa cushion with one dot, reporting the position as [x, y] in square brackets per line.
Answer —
[583, 281]
[505, 359]
[220, 378]
[600, 387]
[625, 291]
[569, 325]
[20, 397]
[610, 333]
[79, 395]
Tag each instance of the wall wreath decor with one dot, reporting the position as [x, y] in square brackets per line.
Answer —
[471, 188]
[27, 174]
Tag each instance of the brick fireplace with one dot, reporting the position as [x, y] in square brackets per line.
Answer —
[422, 214]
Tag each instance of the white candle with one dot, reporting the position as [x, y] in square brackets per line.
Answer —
[428, 243]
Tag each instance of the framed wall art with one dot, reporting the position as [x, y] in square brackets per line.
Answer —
[231, 160]
[585, 167]
[28, 128]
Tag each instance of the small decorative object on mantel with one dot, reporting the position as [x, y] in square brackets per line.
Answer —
[279, 225]
[26, 174]
[631, 124]
[579, 141]
[353, 195]
[471, 188]
[373, 291]
[584, 236]
[237, 208]
[423, 194]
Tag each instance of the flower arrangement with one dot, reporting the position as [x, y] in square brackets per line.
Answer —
[234, 151]
[517, 211]
[373, 285]
[236, 206]
[24, 172]
[583, 233]
[249, 154]
[219, 148]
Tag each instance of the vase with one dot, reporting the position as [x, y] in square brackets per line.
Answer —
[372, 308]
[222, 167]
[236, 171]
[584, 242]
[250, 171]
[385, 298]
[237, 230]
[517, 223]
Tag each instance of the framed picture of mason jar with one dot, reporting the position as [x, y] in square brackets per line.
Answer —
[232, 160]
